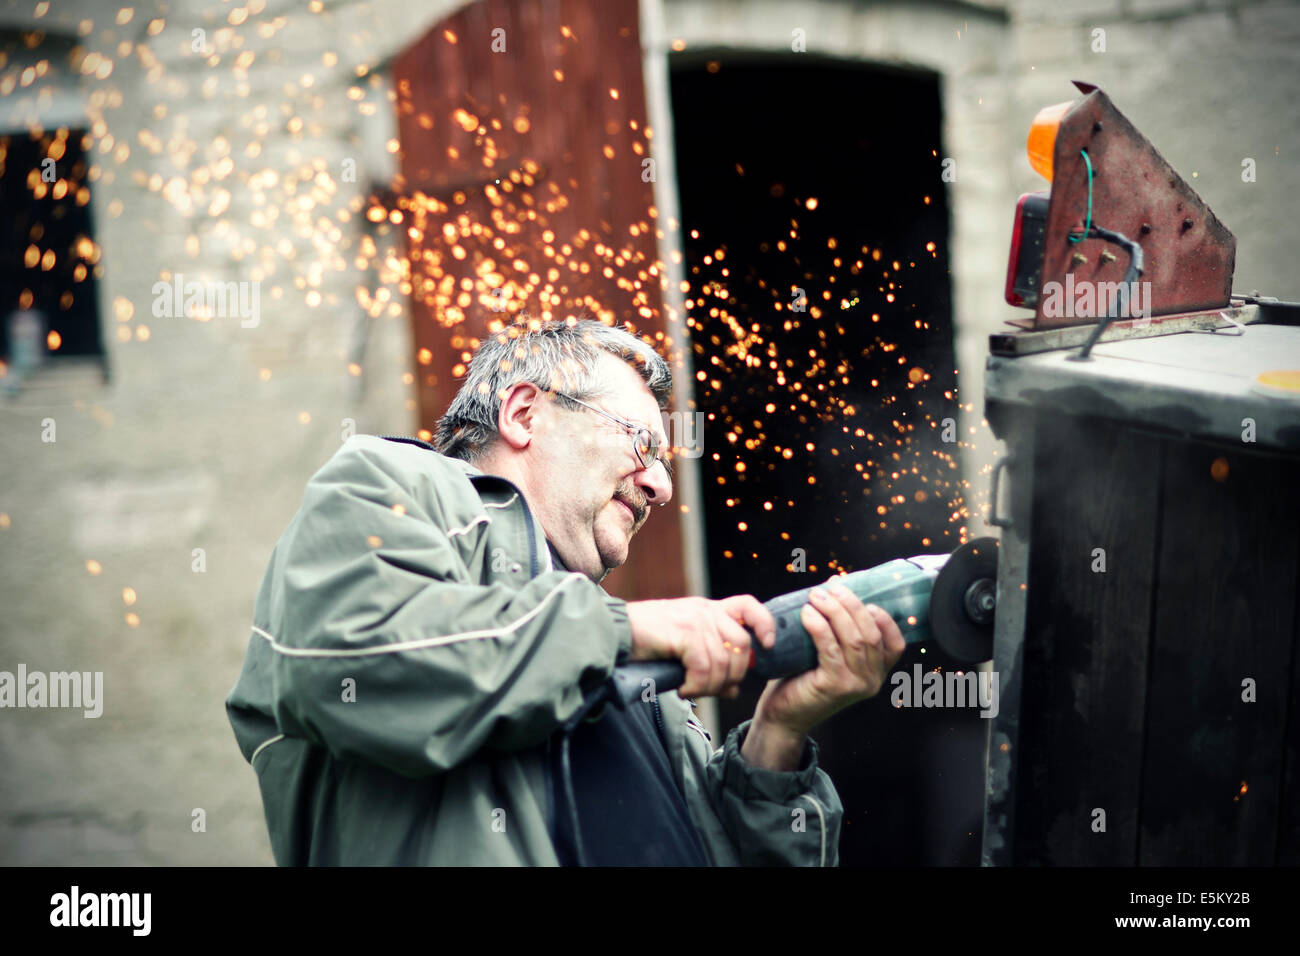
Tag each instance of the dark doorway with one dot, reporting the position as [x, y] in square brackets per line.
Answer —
[830, 439]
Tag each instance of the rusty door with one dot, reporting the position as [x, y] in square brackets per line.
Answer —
[526, 192]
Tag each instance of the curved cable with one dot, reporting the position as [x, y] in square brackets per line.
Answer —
[1135, 267]
[1087, 226]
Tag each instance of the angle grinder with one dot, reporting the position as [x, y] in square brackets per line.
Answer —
[945, 598]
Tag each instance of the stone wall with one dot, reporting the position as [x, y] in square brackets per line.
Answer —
[175, 478]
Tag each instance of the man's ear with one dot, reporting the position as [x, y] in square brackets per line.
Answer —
[517, 419]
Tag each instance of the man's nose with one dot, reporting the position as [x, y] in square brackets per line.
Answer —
[653, 482]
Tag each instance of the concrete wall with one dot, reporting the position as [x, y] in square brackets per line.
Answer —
[193, 445]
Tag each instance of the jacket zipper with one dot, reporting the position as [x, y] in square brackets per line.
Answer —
[535, 567]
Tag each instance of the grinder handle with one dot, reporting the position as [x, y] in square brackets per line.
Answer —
[901, 587]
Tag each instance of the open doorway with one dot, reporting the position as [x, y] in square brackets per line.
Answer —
[816, 242]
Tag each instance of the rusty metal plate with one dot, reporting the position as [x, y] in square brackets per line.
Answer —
[1189, 254]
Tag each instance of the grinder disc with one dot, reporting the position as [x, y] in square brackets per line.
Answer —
[962, 601]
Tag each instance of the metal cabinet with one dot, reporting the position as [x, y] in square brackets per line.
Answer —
[1147, 622]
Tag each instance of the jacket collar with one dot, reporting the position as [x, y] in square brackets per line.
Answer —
[499, 490]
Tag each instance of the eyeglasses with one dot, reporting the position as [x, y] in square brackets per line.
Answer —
[644, 442]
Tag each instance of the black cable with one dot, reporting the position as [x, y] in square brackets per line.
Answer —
[573, 808]
[595, 696]
[1134, 271]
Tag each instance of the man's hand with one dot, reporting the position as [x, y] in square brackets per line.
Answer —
[856, 645]
[708, 637]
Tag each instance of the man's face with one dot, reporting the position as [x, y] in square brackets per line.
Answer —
[589, 490]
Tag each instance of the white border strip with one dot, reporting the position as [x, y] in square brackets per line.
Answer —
[263, 745]
[821, 817]
[481, 519]
[422, 642]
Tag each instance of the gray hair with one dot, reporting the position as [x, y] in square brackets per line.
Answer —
[558, 355]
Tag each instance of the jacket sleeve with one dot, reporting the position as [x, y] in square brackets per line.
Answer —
[388, 651]
[769, 817]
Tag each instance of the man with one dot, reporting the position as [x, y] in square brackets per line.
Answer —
[430, 645]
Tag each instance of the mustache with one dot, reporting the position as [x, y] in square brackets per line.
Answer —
[636, 501]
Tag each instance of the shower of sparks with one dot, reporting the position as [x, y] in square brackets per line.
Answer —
[494, 248]
[893, 441]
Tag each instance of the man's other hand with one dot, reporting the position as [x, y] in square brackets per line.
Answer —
[857, 645]
[708, 637]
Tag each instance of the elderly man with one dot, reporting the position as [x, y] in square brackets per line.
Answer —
[431, 644]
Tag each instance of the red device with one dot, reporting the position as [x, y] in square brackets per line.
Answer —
[1125, 186]
[1025, 265]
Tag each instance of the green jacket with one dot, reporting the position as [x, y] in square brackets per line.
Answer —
[414, 648]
